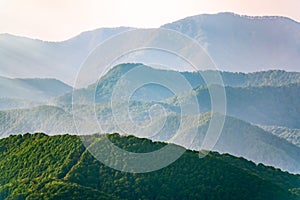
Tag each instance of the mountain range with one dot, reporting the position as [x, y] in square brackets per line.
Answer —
[238, 137]
[252, 97]
[268, 98]
[32, 89]
[291, 135]
[234, 42]
[266, 105]
[261, 122]
[243, 43]
[23, 93]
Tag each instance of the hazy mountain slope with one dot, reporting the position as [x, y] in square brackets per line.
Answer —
[38, 166]
[154, 92]
[236, 43]
[25, 57]
[260, 78]
[56, 120]
[238, 137]
[291, 135]
[9, 104]
[242, 43]
[49, 119]
[32, 89]
[107, 83]
[266, 105]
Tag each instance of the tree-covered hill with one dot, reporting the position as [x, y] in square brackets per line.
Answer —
[153, 92]
[59, 167]
[239, 138]
[264, 105]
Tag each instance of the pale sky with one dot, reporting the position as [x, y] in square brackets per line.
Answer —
[56, 20]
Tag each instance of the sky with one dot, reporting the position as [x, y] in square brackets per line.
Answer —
[57, 20]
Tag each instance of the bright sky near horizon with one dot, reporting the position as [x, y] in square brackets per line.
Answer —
[56, 20]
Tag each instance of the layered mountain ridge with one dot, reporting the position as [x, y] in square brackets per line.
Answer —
[235, 43]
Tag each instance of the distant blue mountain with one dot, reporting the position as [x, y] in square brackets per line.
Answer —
[243, 43]
[236, 43]
[25, 57]
[32, 89]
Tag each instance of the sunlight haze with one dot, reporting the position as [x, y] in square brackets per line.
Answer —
[55, 20]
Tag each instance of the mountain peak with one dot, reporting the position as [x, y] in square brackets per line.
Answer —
[237, 16]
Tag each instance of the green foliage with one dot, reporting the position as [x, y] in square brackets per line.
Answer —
[238, 137]
[58, 167]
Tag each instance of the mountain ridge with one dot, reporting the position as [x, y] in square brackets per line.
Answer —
[270, 46]
[235, 42]
[195, 79]
[267, 17]
[47, 159]
[237, 137]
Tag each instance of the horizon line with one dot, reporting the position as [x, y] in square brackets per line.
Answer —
[131, 27]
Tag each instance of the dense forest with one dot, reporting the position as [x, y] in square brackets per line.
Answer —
[59, 167]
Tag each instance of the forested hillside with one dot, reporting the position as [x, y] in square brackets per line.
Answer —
[106, 84]
[59, 167]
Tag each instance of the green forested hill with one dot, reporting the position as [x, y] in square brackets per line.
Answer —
[59, 167]
[106, 84]
[237, 138]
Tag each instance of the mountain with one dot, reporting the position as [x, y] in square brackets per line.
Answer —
[265, 105]
[291, 135]
[9, 103]
[32, 89]
[59, 167]
[261, 78]
[103, 89]
[57, 120]
[153, 92]
[238, 137]
[234, 42]
[243, 43]
[43, 118]
[25, 57]
[265, 98]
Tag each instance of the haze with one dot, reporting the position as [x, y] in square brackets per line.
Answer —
[56, 20]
